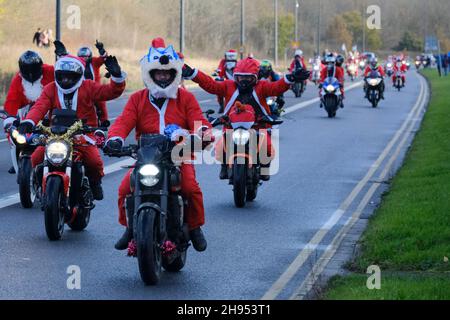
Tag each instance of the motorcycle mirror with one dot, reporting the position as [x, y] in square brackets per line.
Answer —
[46, 122]
[3, 114]
[209, 111]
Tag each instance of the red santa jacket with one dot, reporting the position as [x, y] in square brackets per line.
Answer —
[228, 89]
[18, 98]
[302, 62]
[89, 93]
[97, 63]
[147, 118]
[369, 70]
[402, 68]
[223, 70]
[338, 74]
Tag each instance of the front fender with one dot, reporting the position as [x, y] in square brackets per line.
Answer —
[65, 178]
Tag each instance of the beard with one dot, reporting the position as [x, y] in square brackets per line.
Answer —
[32, 91]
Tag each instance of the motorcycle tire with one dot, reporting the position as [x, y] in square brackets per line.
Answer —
[239, 184]
[53, 209]
[177, 264]
[81, 220]
[27, 191]
[148, 250]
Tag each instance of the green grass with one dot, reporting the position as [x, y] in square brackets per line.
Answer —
[410, 231]
[393, 287]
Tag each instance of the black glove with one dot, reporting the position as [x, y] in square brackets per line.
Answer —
[105, 124]
[113, 67]
[113, 146]
[299, 75]
[25, 127]
[60, 48]
[100, 47]
[280, 101]
[187, 71]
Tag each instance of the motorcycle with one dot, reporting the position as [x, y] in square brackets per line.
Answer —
[315, 74]
[330, 96]
[275, 108]
[160, 233]
[21, 159]
[298, 88]
[362, 64]
[60, 182]
[389, 69]
[398, 83]
[418, 64]
[242, 147]
[352, 71]
[374, 81]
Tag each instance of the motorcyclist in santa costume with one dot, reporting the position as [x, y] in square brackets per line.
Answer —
[25, 89]
[225, 71]
[92, 72]
[71, 91]
[247, 89]
[163, 102]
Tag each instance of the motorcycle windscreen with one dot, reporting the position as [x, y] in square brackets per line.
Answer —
[63, 118]
[153, 148]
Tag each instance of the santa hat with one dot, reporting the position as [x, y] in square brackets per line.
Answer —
[160, 57]
[70, 63]
[247, 66]
[231, 54]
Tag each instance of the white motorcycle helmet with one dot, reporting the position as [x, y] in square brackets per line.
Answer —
[298, 53]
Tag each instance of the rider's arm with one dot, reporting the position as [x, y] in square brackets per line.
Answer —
[193, 112]
[97, 62]
[43, 105]
[106, 92]
[277, 88]
[209, 84]
[15, 98]
[127, 120]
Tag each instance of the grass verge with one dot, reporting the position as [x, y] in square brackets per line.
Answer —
[408, 237]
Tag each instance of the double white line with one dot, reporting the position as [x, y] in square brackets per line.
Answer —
[294, 267]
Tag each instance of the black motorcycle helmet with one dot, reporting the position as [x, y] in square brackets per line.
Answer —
[85, 53]
[30, 66]
[339, 60]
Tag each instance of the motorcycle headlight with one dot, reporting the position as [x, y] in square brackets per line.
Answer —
[20, 139]
[241, 137]
[316, 68]
[330, 88]
[270, 101]
[374, 82]
[362, 63]
[389, 65]
[149, 175]
[57, 152]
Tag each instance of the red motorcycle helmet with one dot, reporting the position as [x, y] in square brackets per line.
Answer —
[246, 73]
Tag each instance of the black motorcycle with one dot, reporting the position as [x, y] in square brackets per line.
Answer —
[25, 146]
[160, 233]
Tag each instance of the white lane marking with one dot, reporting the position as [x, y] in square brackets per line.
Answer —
[304, 254]
[117, 166]
[205, 101]
[326, 257]
[3, 140]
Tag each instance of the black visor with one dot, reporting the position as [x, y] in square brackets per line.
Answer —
[67, 79]
[165, 83]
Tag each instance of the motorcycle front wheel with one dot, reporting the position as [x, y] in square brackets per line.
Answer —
[148, 247]
[239, 184]
[54, 208]
[26, 188]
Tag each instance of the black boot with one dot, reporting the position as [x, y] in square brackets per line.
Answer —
[97, 190]
[12, 170]
[127, 236]
[223, 172]
[198, 239]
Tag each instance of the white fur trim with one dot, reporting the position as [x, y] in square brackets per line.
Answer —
[32, 91]
[287, 81]
[121, 79]
[8, 121]
[151, 62]
[116, 138]
[193, 75]
[162, 113]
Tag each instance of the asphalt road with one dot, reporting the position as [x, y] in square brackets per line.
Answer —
[249, 249]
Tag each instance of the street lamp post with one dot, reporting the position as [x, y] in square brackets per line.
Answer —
[242, 28]
[296, 21]
[58, 20]
[276, 33]
[182, 26]
[318, 26]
